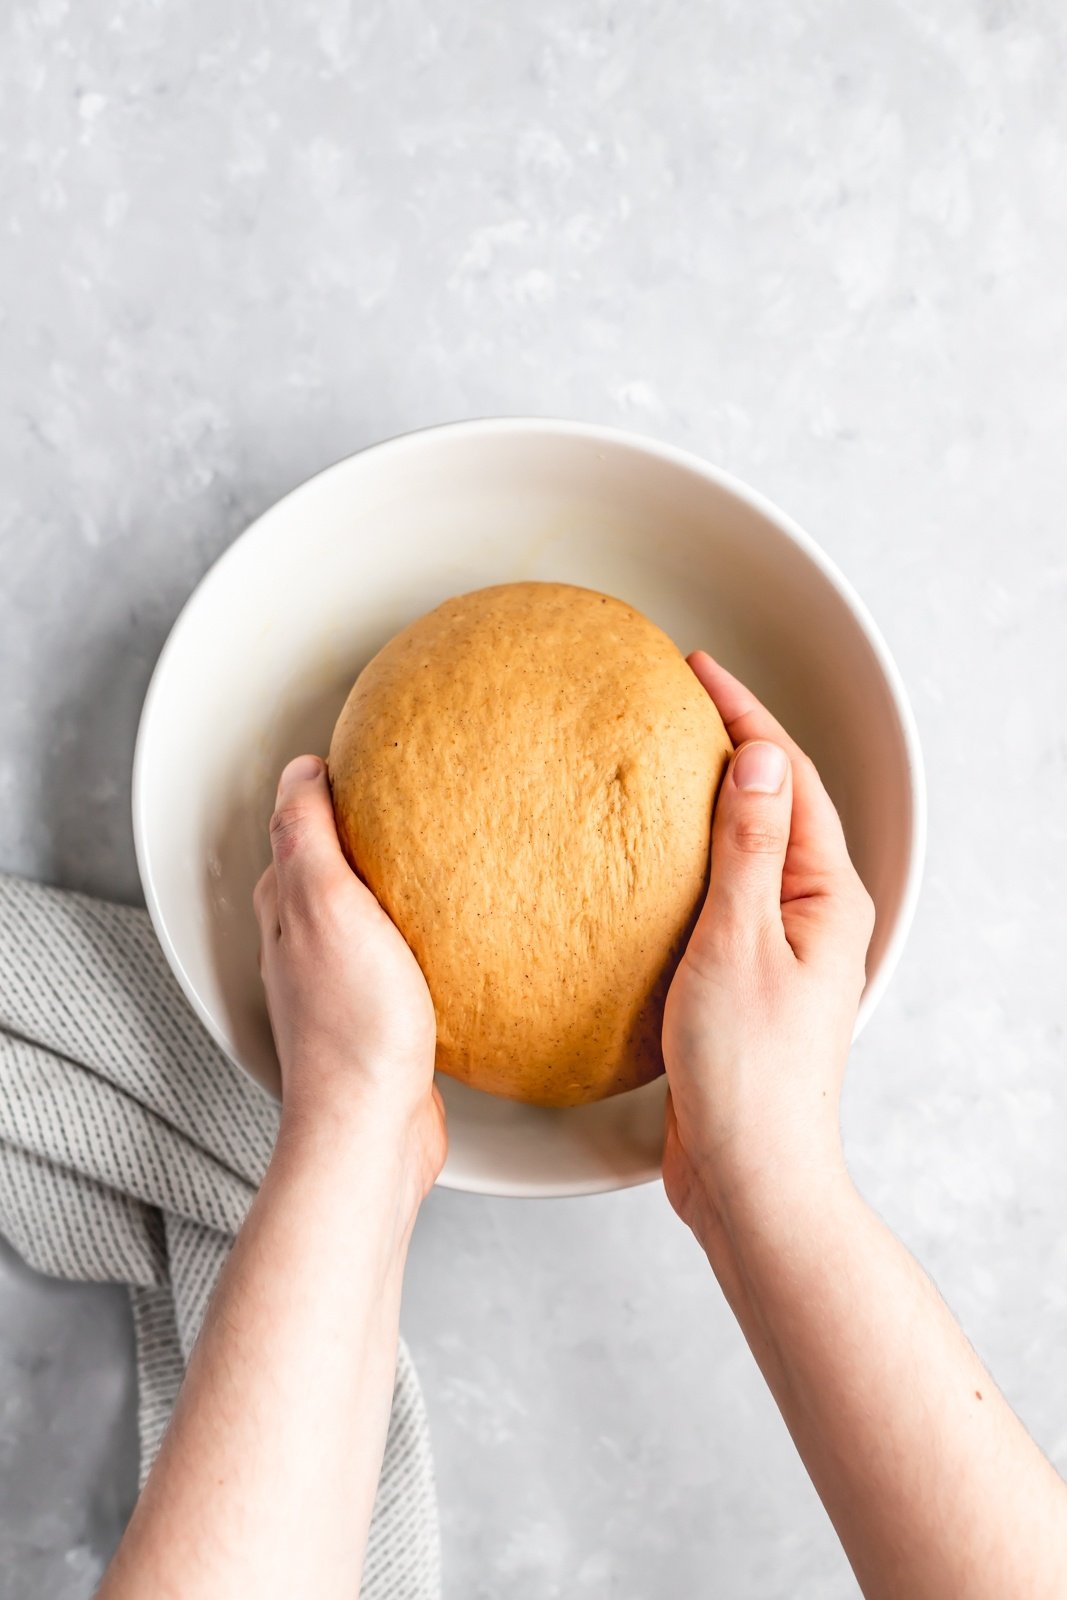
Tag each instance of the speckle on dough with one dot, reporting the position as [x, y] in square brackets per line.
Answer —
[525, 779]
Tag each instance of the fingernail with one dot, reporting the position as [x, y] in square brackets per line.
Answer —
[760, 768]
[301, 770]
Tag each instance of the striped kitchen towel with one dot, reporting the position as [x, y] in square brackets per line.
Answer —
[130, 1150]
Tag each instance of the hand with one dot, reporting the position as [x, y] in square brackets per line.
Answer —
[352, 1017]
[759, 1017]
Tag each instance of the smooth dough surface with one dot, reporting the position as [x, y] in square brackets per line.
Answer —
[525, 778]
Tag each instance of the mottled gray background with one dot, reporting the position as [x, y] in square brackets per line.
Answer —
[824, 244]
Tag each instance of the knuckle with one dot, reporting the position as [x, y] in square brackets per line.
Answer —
[757, 835]
[287, 827]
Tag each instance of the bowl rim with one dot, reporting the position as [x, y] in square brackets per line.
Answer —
[594, 433]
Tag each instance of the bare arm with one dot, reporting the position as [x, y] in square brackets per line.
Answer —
[266, 1479]
[932, 1483]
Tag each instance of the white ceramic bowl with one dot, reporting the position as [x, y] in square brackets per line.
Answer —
[261, 658]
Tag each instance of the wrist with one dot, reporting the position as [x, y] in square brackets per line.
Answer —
[355, 1099]
[768, 1194]
[352, 1112]
[361, 1154]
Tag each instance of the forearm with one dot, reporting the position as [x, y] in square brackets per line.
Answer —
[932, 1483]
[266, 1480]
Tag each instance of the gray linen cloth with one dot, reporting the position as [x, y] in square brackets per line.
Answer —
[130, 1150]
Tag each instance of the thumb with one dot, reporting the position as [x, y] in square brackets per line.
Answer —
[750, 836]
[303, 834]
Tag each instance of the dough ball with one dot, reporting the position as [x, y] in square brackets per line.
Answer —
[525, 778]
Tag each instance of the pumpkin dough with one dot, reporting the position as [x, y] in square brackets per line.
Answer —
[525, 779]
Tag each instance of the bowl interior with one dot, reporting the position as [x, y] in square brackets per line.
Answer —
[262, 657]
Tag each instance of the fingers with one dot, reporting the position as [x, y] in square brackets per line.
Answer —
[818, 843]
[303, 835]
[737, 706]
[750, 837]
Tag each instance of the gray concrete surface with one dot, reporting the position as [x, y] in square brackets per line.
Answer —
[823, 244]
